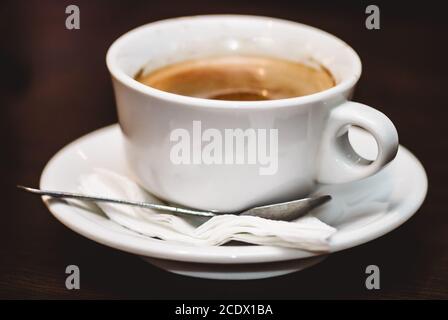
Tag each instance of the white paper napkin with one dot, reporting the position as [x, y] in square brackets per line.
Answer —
[308, 232]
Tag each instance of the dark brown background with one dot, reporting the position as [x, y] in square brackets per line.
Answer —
[55, 88]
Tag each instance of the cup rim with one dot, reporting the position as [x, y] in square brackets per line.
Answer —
[130, 82]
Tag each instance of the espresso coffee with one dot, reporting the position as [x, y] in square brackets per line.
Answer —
[239, 78]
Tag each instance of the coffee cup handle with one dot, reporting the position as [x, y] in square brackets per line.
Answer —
[338, 162]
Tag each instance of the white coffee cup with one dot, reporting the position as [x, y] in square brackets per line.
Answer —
[313, 145]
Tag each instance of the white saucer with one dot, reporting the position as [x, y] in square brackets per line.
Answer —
[361, 211]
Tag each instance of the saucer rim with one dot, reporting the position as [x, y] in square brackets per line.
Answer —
[221, 254]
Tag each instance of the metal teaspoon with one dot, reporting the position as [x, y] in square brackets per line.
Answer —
[284, 211]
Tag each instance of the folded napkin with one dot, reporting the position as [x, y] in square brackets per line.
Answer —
[308, 232]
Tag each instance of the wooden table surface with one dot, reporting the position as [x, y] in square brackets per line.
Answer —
[55, 88]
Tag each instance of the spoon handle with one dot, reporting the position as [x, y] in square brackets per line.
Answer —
[70, 195]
